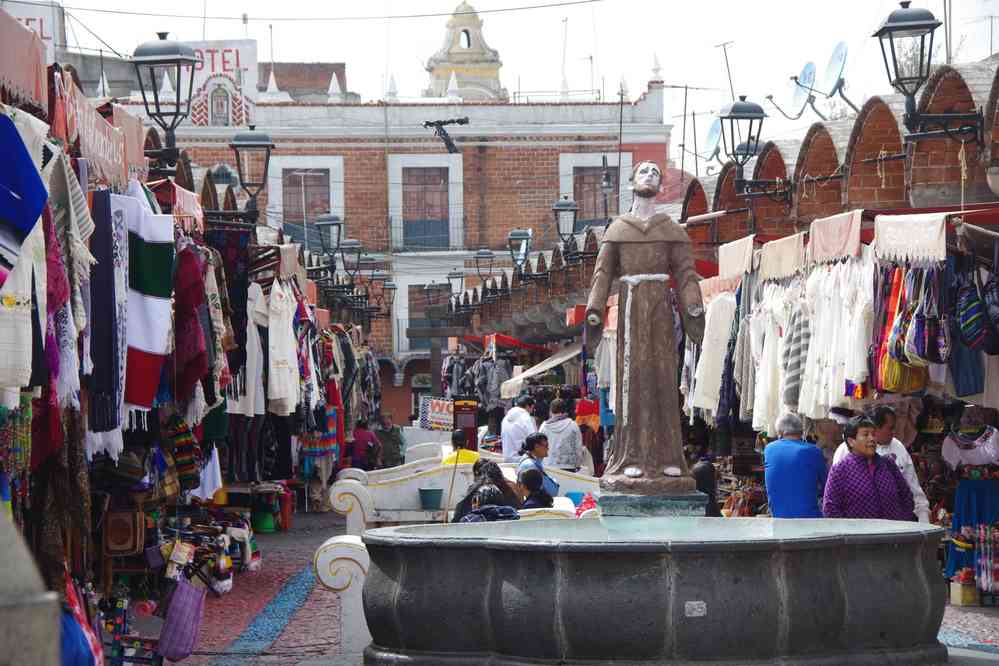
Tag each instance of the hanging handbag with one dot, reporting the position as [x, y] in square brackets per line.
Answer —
[936, 326]
[990, 298]
[915, 335]
[973, 321]
[900, 324]
[183, 621]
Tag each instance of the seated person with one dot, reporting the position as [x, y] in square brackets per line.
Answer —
[487, 507]
[460, 455]
[537, 496]
[486, 472]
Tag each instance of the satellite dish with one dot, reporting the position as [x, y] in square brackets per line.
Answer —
[834, 70]
[711, 149]
[802, 88]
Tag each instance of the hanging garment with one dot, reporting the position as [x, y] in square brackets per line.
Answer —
[22, 191]
[190, 355]
[211, 478]
[253, 398]
[106, 390]
[834, 237]
[798, 337]
[150, 311]
[283, 384]
[74, 227]
[717, 328]
[959, 449]
[15, 313]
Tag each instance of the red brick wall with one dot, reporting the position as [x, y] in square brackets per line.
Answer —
[772, 217]
[937, 162]
[817, 157]
[734, 225]
[505, 187]
[876, 130]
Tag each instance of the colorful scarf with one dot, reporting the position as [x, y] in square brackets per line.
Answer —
[234, 247]
[104, 343]
[185, 450]
[190, 351]
[151, 255]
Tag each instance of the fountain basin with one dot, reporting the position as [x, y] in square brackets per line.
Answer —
[655, 591]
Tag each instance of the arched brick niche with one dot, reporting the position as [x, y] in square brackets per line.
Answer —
[695, 202]
[876, 132]
[773, 217]
[734, 225]
[818, 158]
[936, 167]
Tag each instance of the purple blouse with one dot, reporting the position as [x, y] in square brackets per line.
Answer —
[862, 488]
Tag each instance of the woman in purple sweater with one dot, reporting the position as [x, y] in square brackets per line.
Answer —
[865, 485]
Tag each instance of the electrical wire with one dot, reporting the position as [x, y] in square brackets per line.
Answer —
[549, 5]
[96, 36]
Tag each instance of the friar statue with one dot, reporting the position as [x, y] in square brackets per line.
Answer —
[641, 253]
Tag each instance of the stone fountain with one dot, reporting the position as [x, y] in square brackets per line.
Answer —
[650, 582]
[655, 591]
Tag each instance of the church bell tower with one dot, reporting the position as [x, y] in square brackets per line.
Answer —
[467, 57]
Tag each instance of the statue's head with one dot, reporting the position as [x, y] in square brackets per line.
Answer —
[646, 179]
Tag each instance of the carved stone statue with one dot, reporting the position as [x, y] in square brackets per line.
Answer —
[642, 251]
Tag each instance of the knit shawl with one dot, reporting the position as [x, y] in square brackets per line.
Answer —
[150, 288]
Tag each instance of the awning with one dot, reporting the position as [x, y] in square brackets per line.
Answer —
[511, 388]
[503, 342]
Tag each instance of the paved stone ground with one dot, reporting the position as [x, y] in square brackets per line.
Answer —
[971, 627]
[281, 615]
[277, 615]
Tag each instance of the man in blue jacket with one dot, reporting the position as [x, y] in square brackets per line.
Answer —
[795, 472]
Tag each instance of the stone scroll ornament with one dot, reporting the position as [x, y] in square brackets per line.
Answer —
[644, 254]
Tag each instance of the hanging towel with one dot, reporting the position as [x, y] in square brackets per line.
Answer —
[150, 289]
[782, 258]
[903, 238]
[835, 237]
[715, 286]
[736, 258]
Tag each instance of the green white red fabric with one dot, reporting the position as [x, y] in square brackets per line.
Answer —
[150, 288]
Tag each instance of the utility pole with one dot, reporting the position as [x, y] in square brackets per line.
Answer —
[683, 144]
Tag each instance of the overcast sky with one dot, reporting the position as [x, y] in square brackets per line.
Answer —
[772, 39]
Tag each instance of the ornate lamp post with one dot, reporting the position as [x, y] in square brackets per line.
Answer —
[153, 61]
[253, 155]
[566, 210]
[741, 125]
[906, 39]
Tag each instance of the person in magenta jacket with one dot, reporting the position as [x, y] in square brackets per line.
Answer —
[864, 484]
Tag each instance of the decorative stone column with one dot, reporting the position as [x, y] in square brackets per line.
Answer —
[29, 615]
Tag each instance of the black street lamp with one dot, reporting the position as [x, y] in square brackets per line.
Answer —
[253, 155]
[153, 61]
[566, 210]
[484, 264]
[330, 230]
[741, 126]
[906, 39]
[350, 255]
[518, 241]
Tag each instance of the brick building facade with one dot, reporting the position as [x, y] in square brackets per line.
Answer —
[418, 209]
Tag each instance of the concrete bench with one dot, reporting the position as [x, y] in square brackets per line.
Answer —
[390, 496]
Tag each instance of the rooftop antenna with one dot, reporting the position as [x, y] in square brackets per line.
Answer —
[246, 24]
[204, 19]
[801, 94]
[728, 69]
[441, 133]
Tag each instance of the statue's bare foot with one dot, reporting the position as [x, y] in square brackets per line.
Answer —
[633, 472]
[673, 471]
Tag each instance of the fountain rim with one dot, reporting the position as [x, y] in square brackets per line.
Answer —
[408, 536]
